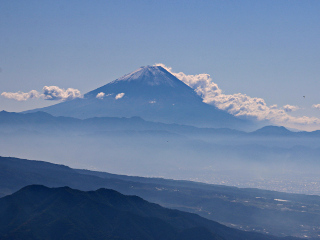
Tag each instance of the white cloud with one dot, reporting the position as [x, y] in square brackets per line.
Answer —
[56, 93]
[152, 102]
[21, 96]
[290, 108]
[100, 95]
[49, 93]
[242, 105]
[317, 106]
[120, 95]
[201, 83]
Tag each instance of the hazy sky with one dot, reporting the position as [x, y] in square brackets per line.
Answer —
[266, 49]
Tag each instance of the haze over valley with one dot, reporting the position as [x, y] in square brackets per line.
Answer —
[159, 120]
[112, 136]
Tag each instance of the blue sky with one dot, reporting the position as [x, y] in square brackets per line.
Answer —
[265, 49]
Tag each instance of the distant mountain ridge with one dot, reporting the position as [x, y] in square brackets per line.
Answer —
[273, 130]
[152, 93]
[39, 120]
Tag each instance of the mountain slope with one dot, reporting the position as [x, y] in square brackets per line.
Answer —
[152, 93]
[38, 212]
[239, 207]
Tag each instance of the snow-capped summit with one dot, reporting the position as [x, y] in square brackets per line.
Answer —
[150, 83]
[151, 75]
[150, 92]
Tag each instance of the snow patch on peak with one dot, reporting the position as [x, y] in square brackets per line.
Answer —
[151, 75]
[131, 76]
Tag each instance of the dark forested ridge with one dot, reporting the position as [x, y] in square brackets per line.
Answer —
[39, 212]
[242, 208]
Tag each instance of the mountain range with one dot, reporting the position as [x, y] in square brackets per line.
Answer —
[152, 93]
[42, 121]
[149, 123]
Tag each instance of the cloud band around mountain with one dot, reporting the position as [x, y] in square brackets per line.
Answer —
[242, 105]
[237, 104]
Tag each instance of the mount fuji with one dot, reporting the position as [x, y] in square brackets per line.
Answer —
[150, 92]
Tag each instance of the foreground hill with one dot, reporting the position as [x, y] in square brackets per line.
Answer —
[152, 93]
[249, 209]
[39, 212]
